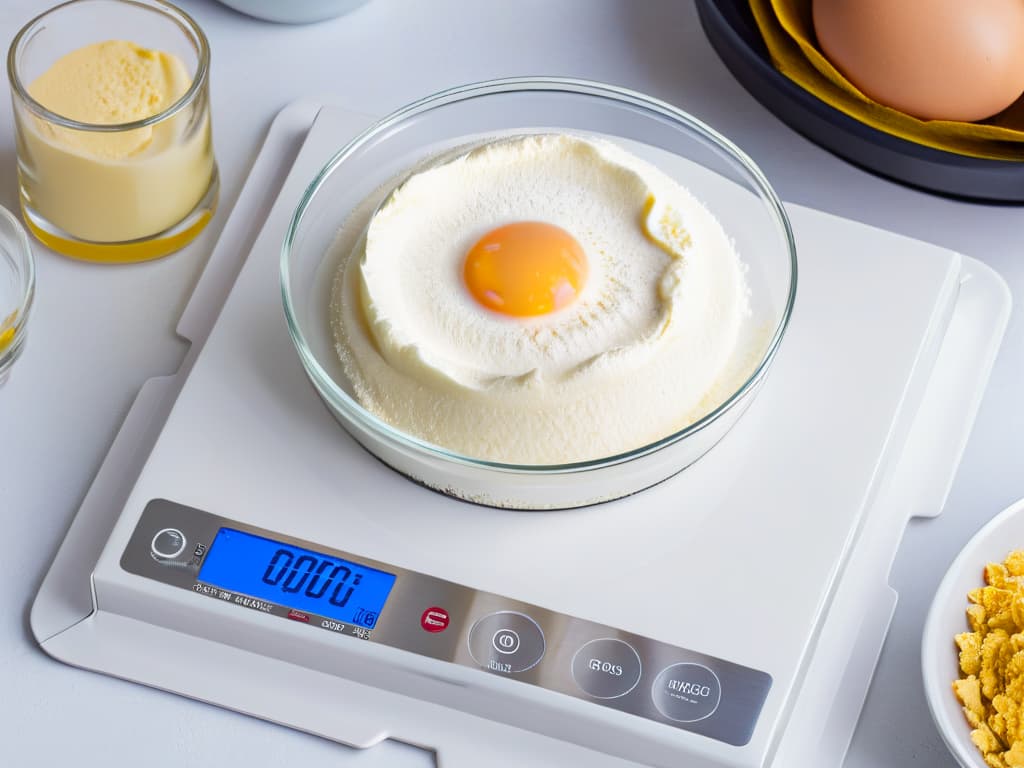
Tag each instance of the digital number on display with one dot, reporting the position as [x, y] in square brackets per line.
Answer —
[296, 578]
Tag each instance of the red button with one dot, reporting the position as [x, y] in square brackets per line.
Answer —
[298, 616]
[435, 619]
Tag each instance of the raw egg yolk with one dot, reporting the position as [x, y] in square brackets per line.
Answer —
[526, 268]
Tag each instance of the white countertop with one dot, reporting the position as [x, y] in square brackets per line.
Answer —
[99, 332]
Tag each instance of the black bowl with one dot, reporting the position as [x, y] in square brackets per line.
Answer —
[730, 26]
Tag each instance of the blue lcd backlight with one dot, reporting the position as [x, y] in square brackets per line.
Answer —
[296, 578]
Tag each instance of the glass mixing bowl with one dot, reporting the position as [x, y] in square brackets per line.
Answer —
[17, 290]
[366, 169]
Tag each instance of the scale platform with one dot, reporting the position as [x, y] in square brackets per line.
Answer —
[731, 616]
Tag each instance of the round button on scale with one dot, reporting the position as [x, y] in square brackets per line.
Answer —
[168, 543]
[606, 668]
[507, 642]
[686, 692]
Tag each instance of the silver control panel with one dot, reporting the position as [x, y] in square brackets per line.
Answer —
[451, 622]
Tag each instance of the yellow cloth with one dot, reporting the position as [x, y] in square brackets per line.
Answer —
[788, 30]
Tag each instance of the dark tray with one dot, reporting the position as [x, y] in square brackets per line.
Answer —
[730, 27]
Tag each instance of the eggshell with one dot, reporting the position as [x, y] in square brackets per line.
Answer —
[933, 59]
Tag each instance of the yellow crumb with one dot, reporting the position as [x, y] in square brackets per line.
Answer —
[1015, 563]
[968, 691]
[970, 653]
[1014, 756]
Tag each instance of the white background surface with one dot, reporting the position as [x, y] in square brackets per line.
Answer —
[99, 332]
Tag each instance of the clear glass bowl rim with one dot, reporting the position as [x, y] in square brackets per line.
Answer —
[340, 400]
[170, 10]
[21, 243]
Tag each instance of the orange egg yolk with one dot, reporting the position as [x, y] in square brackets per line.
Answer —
[525, 269]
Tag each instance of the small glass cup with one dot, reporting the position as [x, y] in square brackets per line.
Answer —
[17, 288]
[81, 199]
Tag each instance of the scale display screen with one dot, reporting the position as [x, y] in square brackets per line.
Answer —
[296, 578]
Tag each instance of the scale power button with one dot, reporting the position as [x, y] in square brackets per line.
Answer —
[506, 642]
[168, 544]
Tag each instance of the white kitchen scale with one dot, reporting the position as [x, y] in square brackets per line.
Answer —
[730, 616]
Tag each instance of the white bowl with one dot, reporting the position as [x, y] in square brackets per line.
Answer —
[294, 11]
[946, 618]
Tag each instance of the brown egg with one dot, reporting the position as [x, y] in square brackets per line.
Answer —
[933, 59]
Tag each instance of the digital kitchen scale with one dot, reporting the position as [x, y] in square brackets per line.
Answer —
[238, 547]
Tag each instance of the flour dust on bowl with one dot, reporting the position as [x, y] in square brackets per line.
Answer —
[538, 293]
